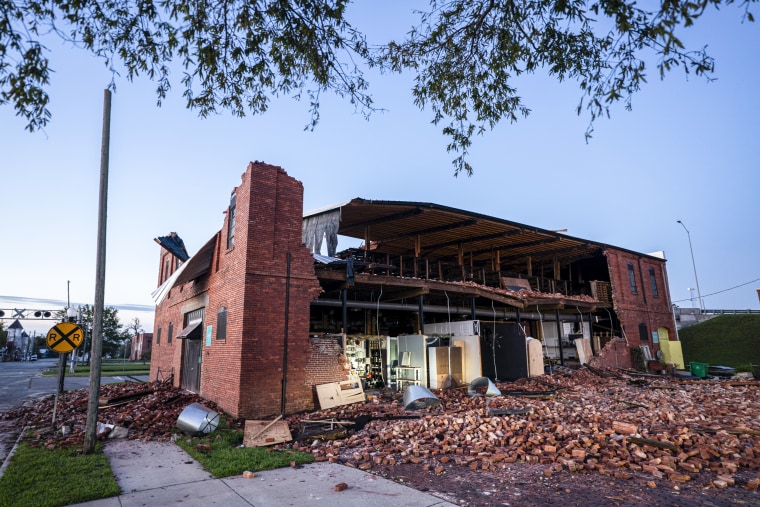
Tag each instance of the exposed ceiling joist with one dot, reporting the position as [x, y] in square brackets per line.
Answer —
[487, 237]
[389, 218]
[431, 230]
[408, 294]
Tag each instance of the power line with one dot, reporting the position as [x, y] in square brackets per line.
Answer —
[721, 291]
[62, 304]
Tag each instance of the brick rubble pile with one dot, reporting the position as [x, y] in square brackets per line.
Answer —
[616, 425]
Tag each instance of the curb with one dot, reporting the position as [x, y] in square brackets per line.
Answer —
[8, 458]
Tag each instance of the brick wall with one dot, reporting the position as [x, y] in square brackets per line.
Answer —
[644, 306]
[265, 277]
[327, 363]
[280, 284]
[615, 354]
[162, 353]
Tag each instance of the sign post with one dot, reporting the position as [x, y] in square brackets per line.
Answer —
[63, 338]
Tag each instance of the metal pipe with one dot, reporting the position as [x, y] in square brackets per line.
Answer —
[559, 338]
[285, 337]
[344, 310]
[421, 305]
[483, 314]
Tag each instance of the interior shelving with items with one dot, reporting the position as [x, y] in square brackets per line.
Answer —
[366, 359]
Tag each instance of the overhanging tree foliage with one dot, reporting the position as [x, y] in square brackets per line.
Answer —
[114, 335]
[465, 54]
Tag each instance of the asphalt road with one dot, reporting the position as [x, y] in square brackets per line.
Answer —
[21, 381]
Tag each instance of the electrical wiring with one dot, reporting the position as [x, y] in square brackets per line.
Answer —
[721, 291]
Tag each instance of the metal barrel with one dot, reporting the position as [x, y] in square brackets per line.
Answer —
[197, 419]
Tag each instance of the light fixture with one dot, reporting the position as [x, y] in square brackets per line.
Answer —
[694, 265]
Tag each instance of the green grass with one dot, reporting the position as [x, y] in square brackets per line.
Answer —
[107, 368]
[220, 453]
[48, 478]
[726, 340]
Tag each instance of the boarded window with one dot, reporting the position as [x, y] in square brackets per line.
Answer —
[221, 324]
[193, 329]
[643, 332]
[632, 278]
[231, 222]
[652, 279]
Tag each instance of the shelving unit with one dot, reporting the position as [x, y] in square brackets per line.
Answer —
[365, 358]
[375, 365]
[355, 356]
[407, 375]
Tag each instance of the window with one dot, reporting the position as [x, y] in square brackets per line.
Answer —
[158, 336]
[632, 278]
[221, 324]
[171, 332]
[643, 332]
[231, 222]
[166, 270]
[652, 279]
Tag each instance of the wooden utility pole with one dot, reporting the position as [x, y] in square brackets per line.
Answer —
[96, 350]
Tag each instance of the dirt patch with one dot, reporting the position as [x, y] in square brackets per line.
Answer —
[603, 437]
[524, 485]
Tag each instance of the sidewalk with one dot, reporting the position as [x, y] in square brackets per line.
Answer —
[161, 473]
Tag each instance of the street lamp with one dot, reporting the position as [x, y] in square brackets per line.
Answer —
[691, 294]
[694, 265]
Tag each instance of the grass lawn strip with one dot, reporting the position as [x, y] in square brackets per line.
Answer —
[222, 454]
[49, 478]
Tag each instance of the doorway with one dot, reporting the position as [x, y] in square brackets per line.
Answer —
[191, 365]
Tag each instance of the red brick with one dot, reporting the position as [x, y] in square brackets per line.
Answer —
[243, 374]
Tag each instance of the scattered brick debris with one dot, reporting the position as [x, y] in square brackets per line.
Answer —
[674, 433]
[147, 411]
[599, 436]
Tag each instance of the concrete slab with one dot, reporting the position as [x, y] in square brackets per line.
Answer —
[105, 502]
[161, 473]
[314, 484]
[205, 493]
[140, 466]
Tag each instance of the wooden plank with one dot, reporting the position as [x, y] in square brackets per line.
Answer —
[583, 348]
[535, 358]
[262, 430]
[340, 393]
[262, 433]
[118, 400]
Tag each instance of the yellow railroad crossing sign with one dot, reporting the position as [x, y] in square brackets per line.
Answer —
[65, 337]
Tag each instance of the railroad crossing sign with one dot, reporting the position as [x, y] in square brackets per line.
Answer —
[65, 337]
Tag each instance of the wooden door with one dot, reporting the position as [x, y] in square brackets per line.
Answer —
[191, 365]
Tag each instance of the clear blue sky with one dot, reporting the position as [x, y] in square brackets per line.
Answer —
[687, 151]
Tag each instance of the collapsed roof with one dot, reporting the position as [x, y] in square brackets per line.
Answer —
[468, 252]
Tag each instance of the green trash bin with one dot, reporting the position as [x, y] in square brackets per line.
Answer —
[699, 369]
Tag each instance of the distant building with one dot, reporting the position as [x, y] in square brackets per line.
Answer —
[261, 314]
[141, 346]
[16, 342]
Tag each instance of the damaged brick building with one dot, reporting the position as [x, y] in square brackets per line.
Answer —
[263, 312]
